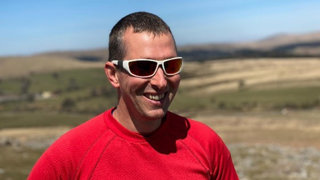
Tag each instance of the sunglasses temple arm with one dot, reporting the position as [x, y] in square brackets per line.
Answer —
[118, 63]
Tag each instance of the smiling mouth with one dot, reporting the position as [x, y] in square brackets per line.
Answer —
[155, 97]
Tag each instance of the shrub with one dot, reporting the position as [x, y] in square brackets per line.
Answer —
[67, 104]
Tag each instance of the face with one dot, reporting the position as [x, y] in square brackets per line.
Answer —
[147, 99]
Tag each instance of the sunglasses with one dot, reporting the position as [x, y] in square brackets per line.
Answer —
[146, 68]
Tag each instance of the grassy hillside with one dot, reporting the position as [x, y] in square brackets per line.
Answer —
[251, 84]
[17, 67]
[271, 102]
[281, 45]
[228, 85]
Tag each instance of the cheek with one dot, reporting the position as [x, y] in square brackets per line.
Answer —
[132, 85]
[174, 81]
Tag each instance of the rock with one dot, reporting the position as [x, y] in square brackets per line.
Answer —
[275, 162]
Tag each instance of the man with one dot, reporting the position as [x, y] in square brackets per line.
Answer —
[139, 138]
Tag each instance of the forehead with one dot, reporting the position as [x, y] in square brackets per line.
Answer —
[148, 45]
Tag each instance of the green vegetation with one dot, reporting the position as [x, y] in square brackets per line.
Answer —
[17, 161]
[71, 97]
[76, 95]
[57, 81]
[251, 99]
[41, 119]
[293, 98]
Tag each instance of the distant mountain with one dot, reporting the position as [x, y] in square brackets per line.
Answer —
[280, 45]
[84, 55]
[281, 40]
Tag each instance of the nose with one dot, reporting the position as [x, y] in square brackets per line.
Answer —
[159, 80]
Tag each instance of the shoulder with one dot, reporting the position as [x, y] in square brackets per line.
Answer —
[76, 141]
[208, 138]
[65, 155]
[84, 133]
[204, 136]
[91, 129]
[207, 146]
[198, 130]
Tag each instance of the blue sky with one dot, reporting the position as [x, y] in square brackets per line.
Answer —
[29, 26]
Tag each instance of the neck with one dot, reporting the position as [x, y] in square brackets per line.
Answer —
[135, 122]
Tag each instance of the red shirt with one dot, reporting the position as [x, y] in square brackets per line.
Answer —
[102, 148]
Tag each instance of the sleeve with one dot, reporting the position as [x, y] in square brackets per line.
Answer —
[61, 160]
[223, 168]
[217, 154]
[51, 165]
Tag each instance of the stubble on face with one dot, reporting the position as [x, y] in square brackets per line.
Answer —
[146, 101]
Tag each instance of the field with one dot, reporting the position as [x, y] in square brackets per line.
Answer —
[266, 110]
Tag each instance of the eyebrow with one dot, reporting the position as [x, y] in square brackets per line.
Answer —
[159, 59]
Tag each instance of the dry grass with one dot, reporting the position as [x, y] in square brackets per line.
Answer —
[253, 73]
[23, 135]
[290, 128]
[11, 67]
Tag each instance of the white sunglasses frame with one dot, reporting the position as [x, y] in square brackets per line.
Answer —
[125, 65]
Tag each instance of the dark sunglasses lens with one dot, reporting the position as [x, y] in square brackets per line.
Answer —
[142, 68]
[173, 66]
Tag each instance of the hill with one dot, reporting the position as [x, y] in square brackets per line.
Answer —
[281, 45]
[92, 55]
[263, 108]
[13, 67]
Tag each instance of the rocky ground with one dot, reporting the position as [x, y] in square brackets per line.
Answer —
[33, 138]
[268, 161]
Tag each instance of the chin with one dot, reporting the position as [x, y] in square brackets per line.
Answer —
[156, 114]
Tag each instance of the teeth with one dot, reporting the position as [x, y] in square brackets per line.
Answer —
[155, 97]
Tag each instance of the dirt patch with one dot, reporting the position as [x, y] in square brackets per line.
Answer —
[296, 128]
[31, 137]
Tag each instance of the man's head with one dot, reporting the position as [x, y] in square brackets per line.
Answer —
[144, 100]
[140, 22]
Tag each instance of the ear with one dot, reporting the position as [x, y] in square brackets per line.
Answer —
[111, 73]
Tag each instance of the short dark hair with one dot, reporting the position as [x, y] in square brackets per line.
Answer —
[140, 22]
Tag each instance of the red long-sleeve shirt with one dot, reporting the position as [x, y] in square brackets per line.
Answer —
[102, 148]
